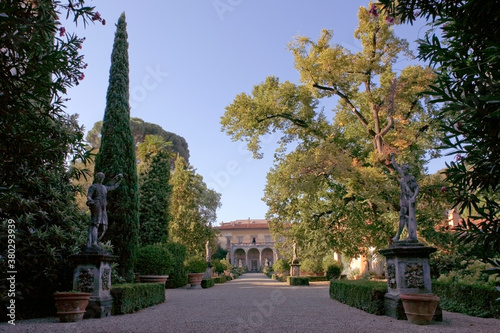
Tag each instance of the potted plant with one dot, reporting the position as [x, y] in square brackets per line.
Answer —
[196, 267]
[71, 305]
[153, 263]
[420, 308]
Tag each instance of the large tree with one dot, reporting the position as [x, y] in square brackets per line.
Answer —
[335, 186]
[39, 61]
[463, 47]
[140, 129]
[117, 155]
[192, 209]
[154, 189]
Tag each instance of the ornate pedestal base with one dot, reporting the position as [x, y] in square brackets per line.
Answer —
[407, 272]
[93, 275]
[295, 270]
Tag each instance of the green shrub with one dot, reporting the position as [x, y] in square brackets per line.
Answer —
[207, 283]
[154, 260]
[218, 266]
[362, 294]
[471, 300]
[221, 279]
[281, 266]
[131, 297]
[178, 277]
[297, 280]
[317, 278]
[472, 273]
[312, 266]
[196, 265]
[226, 264]
[333, 271]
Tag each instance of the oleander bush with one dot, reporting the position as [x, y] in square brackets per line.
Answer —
[472, 300]
[297, 280]
[131, 297]
[362, 294]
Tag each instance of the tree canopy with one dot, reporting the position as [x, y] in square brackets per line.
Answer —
[332, 185]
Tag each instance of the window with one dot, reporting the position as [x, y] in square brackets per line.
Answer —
[240, 239]
[268, 239]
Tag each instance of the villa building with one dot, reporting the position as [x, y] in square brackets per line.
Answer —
[248, 242]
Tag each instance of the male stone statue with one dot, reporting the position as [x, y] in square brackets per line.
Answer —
[407, 201]
[96, 200]
[295, 250]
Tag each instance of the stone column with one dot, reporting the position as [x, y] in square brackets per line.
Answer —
[260, 259]
[93, 275]
[407, 272]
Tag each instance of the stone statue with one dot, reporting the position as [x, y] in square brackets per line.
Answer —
[295, 250]
[407, 201]
[96, 200]
[208, 252]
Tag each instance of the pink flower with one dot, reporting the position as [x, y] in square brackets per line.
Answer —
[81, 77]
[390, 19]
[443, 189]
[62, 31]
[96, 17]
[458, 157]
[373, 10]
[103, 22]
[85, 66]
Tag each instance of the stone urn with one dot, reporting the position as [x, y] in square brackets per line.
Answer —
[420, 308]
[71, 305]
[195, 279]
[153, 278]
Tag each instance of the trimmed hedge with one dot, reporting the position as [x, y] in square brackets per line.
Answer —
[178, 277]
[131, 297]
[297, 280]
[317, 278]
[207, 283]
[362, 294]
[478, 301]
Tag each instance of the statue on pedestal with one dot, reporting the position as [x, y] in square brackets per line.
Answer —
[96, 200]
[407, 201]
[208, 252]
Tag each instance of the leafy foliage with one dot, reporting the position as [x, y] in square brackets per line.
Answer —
[281, 266]
[154, 259]
[196, 264]
[178, 276]
[463, 46]
[117, 155]
[332, 185]
[140, 129]
[38, 63]
[192, 209]
[154, 189]
[333, 271]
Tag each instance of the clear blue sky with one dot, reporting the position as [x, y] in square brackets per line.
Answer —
[190, 58]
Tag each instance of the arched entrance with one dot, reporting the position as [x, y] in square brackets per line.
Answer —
[267, 256]
[239, 258]
[253, 260]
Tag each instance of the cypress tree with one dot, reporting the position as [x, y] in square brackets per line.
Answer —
[117, 155]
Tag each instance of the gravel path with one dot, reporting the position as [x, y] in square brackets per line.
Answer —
[253, 303]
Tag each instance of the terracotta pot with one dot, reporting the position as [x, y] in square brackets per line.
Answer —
[71, 306]
[153, 278]
[420, 308]
[195, 279]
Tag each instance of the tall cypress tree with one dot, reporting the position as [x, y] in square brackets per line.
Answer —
[117, 155]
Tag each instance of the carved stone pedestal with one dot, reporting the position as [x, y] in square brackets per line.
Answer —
[93, 275]
[295, 270]
[407, 272]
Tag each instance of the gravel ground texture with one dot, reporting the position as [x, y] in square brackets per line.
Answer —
[253, 303]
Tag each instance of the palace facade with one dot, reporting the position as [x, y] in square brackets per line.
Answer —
[248, 242]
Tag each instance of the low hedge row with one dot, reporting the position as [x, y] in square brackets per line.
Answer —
[478, 301]
[207, 283]
[297, 280]
[131, 297]
[362, 294]
[317, 278]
